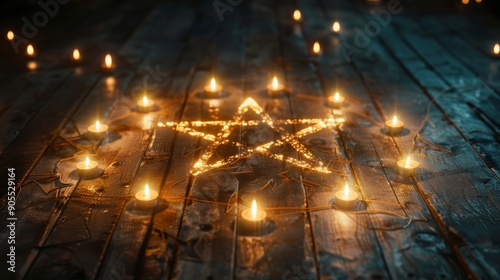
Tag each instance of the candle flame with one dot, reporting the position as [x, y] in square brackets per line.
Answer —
[316, 48]
[297, 15]
[30, 50]
[336, 97]
[76, 54]
[496, 49]
[408, 162]
[336, 26]
[146, 191]
[465, 2]
[10, 35]
[213, 84]
[97, 125]
[346, 190]
[145, 100]
[108, 61]
[87, 162]
[254, 209]
[395, 120]
[275, 82]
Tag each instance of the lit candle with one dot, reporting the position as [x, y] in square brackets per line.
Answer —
[253, 218]
[212, 90]
[108, 63]
[87, 168]
[145, 105]
[496, 49]
[30, 50]
[297, 16]
[146, 198]
[10, 35]
[406, 167]
[394, 126]
[98, 129]
[76, 55]
[275, 88]
[336, 27]
[346, 199]
[465, 2]
[316, 48]
[336, 100]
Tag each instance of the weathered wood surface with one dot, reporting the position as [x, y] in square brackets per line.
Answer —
[441, 223]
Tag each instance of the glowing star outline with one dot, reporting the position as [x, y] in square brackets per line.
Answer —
[202, 164]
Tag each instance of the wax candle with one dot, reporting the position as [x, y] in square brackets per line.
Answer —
[30, 50]
[212, 90]
[98, 129]
[346, 199]
[275, 88]
[336, 27]
[316, 48]
[394, 126]
[336, 100]
[253, 218]
[297, 15]
[10, 35]
[146, 198]
[496, 49]
[145, 105]
[406, 167]
[87, 168]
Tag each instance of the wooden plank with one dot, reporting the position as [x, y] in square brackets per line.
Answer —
[442, 173]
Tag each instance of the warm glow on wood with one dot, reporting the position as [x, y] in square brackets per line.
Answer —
[30, 50]
[254, 209]
[316, 48]
[213, 84]
[297, 15]
[496, 49]
[76, 54]
[10, 35]
[479, 1]
[395, 120]
[336, 26]
[108, 61]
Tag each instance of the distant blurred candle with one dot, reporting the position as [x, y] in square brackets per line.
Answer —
[297, 16]
[87, 168]
[76, 55]
[465, 2]
[212, 90]
[316, 48]
[346, 199]
[407, 167]
[336, 100]
[496, 49]
[146, 198]
[275, 88]
[145, 105]
[10, 35]
[108, 63]
[394, 126]
[30, 50]
[336, 27]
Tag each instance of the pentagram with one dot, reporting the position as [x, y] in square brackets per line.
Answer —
[222, 138]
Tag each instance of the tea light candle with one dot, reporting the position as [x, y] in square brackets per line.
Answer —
[297, 15]
[30, 50]
[496, 49]
[336, 100]
[254, 217]
[145, 105]
[98, 128]
[146, 198]
[108, 63]
[87, 168]
[346, 199]
[407, 167]
[336, 27]
[394, 127]
[10, 35]
[76, 55]
[212, 90]
[275, 88]
[316, 48]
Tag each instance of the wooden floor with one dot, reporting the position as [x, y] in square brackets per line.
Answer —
[433, 66]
